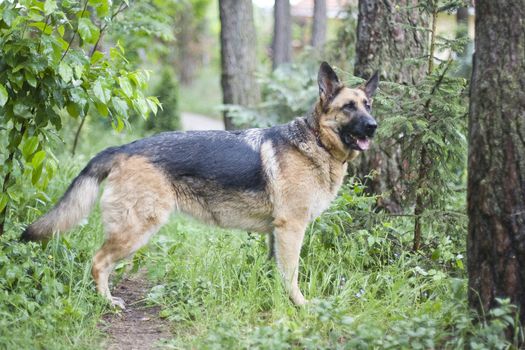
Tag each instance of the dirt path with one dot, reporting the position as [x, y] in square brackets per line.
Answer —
[192, 121]
[139, 326]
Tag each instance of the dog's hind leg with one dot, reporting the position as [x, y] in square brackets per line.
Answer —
[118, 245]
[137, 201]
[288, 236]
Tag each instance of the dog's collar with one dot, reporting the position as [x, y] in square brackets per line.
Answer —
[317, 136]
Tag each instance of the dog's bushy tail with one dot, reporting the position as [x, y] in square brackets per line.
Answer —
[78, 200]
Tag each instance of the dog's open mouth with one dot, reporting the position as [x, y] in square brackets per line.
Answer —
[358, 143]
[363, 144]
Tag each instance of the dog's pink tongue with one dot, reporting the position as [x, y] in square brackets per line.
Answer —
[363, 144]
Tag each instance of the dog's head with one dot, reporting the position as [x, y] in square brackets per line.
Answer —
[343, 114]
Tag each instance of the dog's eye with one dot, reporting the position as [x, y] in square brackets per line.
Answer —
[350, 106]
[367, 105]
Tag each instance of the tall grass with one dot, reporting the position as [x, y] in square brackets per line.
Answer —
[47, 298]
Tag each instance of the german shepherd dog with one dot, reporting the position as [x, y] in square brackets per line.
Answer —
[272, 181]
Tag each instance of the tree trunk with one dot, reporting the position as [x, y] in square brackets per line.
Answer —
[388, 35]
[187, 38]
[282, 33]
[462, 16]
[319, 25]
[496, 166]
[238, 58]
[462, 26]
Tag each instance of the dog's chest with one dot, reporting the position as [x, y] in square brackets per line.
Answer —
[320, 201]
[326, 188]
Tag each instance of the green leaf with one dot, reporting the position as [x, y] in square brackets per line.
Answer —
[37, 172]
[84, 29]
[63, 44]
[3, 95]
[51, 168]
[125, 84]
[21, 109]
[119, 126]
[38, 158]
[97, 56]
[3, 201]
[13, 194]
[46, 29]
[136, 79]
[459, 264]
[30, 78]
[141, 106]
[152, 105]
[73, 109]
[78, 69]
[87, 30]
[102, 7]
[30, 147]
[50, 6]
[102, 109]
[120, 106]
[103, 94]
[9, 16]
[65, 71]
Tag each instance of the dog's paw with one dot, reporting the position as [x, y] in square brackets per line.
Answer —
[303, 302]
[299, 300]
[118, 302]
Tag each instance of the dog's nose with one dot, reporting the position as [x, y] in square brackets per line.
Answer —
[370, 127]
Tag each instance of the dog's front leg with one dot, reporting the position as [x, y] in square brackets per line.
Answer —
[288, 238]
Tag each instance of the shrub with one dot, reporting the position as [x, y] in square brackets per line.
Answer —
[166, 90]
[51, 68]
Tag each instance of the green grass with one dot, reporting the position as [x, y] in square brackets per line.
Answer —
[217, 287]
[218, 290]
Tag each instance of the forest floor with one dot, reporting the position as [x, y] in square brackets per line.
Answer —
[139, 326]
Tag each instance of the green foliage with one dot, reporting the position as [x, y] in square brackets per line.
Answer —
[50, 69]
[145, 20]
[287, 92]
[430, 114]
[166, 90]
[47, 297]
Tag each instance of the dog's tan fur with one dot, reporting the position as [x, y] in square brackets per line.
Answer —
[137, 200]
[316, 180]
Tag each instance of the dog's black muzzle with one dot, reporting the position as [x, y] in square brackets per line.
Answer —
[358, 131]
[365, 126]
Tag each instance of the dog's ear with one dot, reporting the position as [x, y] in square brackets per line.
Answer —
[371, 85]
[328, 81]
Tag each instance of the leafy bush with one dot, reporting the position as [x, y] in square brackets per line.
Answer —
[47, 298]
[51, 69]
